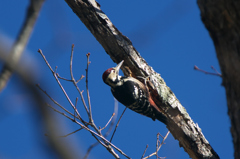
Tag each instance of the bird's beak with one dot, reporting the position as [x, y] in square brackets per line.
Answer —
[117, 68]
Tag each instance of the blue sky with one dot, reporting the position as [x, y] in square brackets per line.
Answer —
[168, 34]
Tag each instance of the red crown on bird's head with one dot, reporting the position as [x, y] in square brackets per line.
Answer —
[106, 73]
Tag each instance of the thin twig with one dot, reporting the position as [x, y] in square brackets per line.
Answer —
[108, 131]
[165, 137]
[88, 95]
[161, 135]
[118, 124]
[114, 118]
[209, 73]
[75, 107]
[49, 105]
[92, 132]
[80, 78]
[144, 151]
[90, 149]
[71, 61]
[54, 101]
[158, 146]
[81, 95]
[60, 85]
[75, 83]
[108, 122]
[56, 78]
[216, 71]
[83, 126]
[71, 132]
[97, 135]
[63, 78]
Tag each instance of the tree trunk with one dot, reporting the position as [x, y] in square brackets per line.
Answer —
[222, 19]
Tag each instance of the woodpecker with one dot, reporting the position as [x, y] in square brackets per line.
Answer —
[132, 93]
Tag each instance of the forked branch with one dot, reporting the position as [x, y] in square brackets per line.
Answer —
[158, 146]
[75, 115]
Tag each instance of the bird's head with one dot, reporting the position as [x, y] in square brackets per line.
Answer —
[111, 75]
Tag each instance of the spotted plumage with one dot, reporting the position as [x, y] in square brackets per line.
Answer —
[132, 93]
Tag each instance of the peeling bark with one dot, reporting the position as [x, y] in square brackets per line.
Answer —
[119, 48]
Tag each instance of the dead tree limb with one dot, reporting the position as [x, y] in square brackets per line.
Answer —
[119, 48]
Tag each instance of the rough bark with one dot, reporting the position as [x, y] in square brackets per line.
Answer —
[119, 47]
[222, 19]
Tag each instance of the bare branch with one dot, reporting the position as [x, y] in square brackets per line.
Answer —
[94, 135]
[59, 83]
[108, 131]
[65, 79]
[209, 73]
[71, 133]
[21, 42]
[164, 138]
[118, 124]
[88, 95]
[54, 101]
[144, 152]
[158, 146]
[75, 83]
[90, 149]
[80, 79]
[75, 108]
[108, 122]
[216, 71]
[71, 61]
[83, 124]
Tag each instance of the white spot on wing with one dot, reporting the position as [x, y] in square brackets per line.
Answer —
[136, 90]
